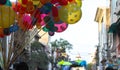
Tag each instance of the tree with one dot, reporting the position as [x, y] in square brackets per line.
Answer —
[39, 57]
[59, 46]
[89, 66]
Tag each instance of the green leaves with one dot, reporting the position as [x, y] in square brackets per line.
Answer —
[61, 44]
[39, 57]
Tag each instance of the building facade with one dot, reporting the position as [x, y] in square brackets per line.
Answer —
[103, 19]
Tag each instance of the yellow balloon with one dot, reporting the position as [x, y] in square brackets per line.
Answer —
[70, 13]
[79, 2]
[74, 17]
[20, 1]
[35, 2]
[7, 16]
[63, 13]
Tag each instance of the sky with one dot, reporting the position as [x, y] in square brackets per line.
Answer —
[84, 34]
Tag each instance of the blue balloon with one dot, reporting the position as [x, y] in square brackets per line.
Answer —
[14, 28]
[46, 8]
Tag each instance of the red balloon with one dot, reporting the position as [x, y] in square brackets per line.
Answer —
[54, 1]
[37, 15]
[45, 1]
[54, 11]
[24, 1]
[63, 2]
[1, 33]
[16, 6]
[55, 14]
[22, 10]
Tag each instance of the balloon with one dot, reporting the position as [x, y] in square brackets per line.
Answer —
[54, 11]
[63, 2]
[30, 7]
[24, 1]
[16, 6]
[6, 31]
[61, 27]
[2, 2]
[1, 33]
[36, 2]
[37, 15]
[44, 1]
[7, 16]
[74, 17]
[79, 2]
[55, 14]
[54, 1]
[22, 10]
[71, 0]
[41, 19]
[70, 14]
[25, 22]
[45, 29]
[8, 3]
[49, 23]
[13, 28]
[46, 8]
[51, 33]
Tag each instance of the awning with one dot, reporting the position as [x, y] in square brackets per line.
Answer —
[113, 28]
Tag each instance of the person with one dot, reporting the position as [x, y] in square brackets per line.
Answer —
[109, 68]
[109, 65]
[21, 66]
[1, 68]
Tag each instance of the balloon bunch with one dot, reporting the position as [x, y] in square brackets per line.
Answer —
[49, 15]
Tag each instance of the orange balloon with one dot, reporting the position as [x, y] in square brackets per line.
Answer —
[30, 7]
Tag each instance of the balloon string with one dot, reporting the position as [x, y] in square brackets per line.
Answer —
[20, 50]
[10, 49]
[2, 49]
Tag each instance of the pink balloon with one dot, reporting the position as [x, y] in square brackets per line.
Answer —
[27, 18]
[26, 21]
[42, 17]
[61, 27]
